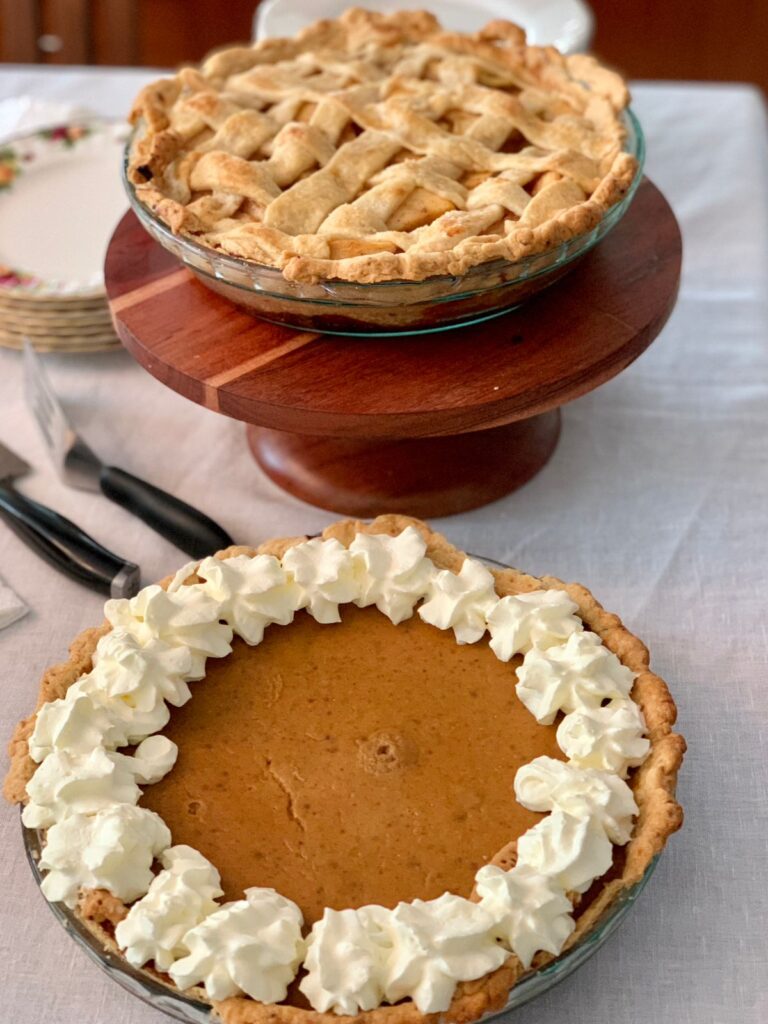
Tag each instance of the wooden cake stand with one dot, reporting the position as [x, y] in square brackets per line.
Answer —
[428, 425]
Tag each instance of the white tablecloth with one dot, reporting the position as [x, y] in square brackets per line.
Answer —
[656, 498]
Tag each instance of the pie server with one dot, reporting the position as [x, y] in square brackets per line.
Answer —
[56, 539]
[78, 466]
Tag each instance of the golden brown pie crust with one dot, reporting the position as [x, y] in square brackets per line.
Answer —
[653, 784]
[381, 147]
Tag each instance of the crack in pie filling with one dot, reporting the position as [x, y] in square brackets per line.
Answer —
[431, 780]
[381, 147]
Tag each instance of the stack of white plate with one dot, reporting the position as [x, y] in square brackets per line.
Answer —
[566, 24]
[60, 199]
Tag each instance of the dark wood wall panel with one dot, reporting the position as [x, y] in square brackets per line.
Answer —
[172, 33]
[114, 32]
[18, 30]
[721, 40]
[724, 40]
[65, 26]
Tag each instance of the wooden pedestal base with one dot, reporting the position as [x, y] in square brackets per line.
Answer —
[425, 476]
[428, 425]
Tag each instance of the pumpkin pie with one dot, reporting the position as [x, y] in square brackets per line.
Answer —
[360, 775]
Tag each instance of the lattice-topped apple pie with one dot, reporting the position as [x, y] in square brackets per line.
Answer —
[382, 147]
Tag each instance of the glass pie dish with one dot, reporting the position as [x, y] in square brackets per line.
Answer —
[152, 990]
[387, 307]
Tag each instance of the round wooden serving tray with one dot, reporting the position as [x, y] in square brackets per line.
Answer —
[428, 425]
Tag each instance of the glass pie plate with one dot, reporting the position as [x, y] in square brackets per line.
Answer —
[387, 307]
[163, 997]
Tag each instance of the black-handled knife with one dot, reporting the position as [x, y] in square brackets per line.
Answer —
[190, 530]
[184, 526]
[56, 539]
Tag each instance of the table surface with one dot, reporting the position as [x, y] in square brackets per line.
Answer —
[656, 498]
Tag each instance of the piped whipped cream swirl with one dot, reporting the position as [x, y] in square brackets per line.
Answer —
[540, 618]
[601, 798]
[577, 674]
[420, 950]
[85, 719]
[180, 897]
[435, 945]
[112, 849]
[253, 945]
[461, 601]
[346, 953]
[567, 850]
[253, 593]
[392, 572]
[121, 700]
[188, 617]
[324, 572]
[531, 911]
[67, 784]
[609, 738]
[141, 674]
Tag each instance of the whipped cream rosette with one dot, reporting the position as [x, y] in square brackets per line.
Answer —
[346, 951]
[580, 673]
[530, 910]
[611, 737]
[253, 945]
[112, 849]
[252, 593]
[542, 618]
[179, 897]
[393, 572]
[461, 601]
[85, 783]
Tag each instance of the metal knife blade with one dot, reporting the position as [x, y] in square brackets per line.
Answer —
[11, 465]
[58, 540]
[74, 461]
[186, 527]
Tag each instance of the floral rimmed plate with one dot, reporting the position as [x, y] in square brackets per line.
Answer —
[60, 198]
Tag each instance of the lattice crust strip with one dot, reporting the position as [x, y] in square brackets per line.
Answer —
[380, 147]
